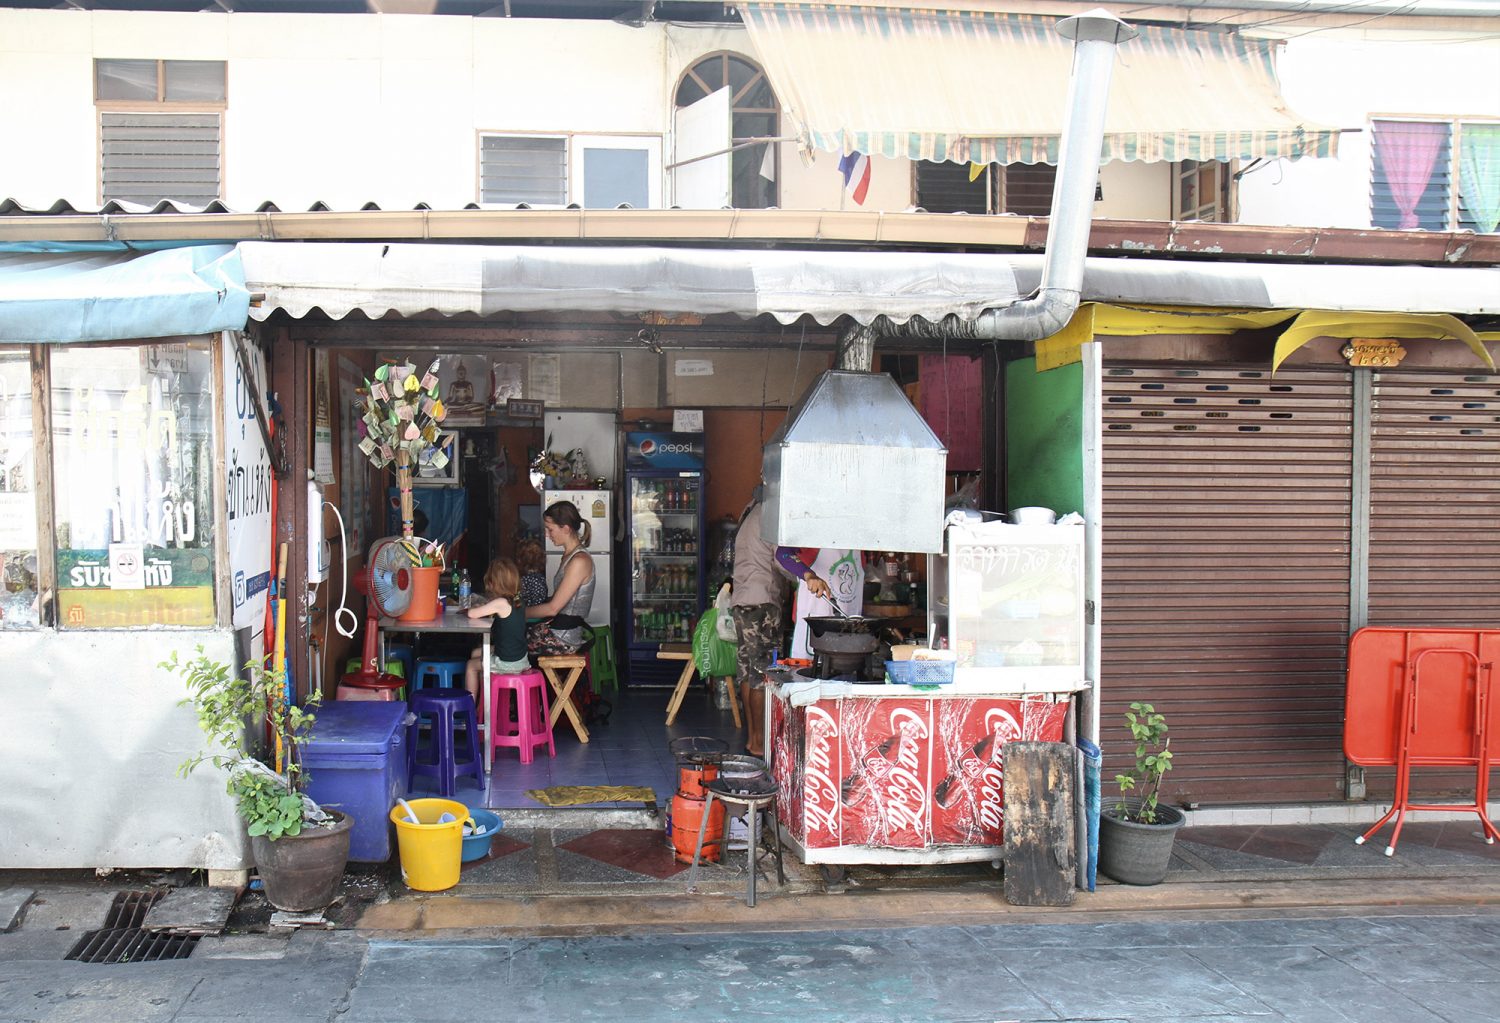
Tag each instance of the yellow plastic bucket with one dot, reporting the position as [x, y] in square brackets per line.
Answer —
[430, 851]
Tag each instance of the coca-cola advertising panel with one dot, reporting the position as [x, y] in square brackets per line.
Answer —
[821, 769]
[787, 747]
[968, 798]
[885, 766]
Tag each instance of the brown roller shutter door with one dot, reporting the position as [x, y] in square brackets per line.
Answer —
[1226, 575]
[1434, 518]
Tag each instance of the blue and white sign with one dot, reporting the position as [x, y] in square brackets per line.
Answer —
[664, 451]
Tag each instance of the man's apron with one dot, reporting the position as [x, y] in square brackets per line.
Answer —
[844, 572]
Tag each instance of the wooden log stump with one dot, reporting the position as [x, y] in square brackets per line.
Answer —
[1039, 850]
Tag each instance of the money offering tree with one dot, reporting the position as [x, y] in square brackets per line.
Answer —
[399, 425]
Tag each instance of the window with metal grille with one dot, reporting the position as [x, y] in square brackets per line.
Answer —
[1021, 188]
[523, 169]
[160, 129]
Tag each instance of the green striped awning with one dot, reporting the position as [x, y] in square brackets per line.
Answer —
[987, 87]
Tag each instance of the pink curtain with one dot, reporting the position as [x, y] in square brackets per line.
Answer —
[1407, 152]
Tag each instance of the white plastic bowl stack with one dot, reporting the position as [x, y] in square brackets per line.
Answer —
[1033, 516]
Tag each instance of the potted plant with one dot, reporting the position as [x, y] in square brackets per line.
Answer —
[300, 849]
[1136, 831]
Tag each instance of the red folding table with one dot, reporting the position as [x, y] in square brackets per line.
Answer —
[1422, 698]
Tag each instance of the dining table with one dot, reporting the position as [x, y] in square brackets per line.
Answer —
[452, 621]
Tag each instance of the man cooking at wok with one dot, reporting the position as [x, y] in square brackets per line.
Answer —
[761, 571]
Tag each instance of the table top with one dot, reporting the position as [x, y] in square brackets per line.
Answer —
[451, 621]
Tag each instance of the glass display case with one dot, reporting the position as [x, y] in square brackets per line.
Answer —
[1009, 600]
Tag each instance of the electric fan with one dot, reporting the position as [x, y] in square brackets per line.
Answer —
[386, 582]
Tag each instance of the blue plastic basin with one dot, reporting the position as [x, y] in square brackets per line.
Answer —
[477, 847]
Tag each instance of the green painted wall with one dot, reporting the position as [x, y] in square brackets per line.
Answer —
[1044, 436]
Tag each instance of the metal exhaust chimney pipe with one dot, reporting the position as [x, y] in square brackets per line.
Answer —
[1096, 36]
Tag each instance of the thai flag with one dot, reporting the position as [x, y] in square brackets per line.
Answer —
[855, 167]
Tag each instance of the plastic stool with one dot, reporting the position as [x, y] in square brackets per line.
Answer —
[750, 802]
[376, 689]
[404, 653]
[447, 709]
[444, 674]
[602, 661]
[524, 723]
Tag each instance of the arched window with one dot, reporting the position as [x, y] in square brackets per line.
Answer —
[754, 113]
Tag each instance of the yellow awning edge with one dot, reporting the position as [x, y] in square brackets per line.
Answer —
[1438, 326]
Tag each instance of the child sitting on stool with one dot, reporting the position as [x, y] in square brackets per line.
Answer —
[502, 585]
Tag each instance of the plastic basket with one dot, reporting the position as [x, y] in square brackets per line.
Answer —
[919, 673]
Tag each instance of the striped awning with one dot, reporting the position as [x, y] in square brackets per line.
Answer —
[987, 87]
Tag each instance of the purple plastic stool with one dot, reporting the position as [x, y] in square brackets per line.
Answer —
[446, 708]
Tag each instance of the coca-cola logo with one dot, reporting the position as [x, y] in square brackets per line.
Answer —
[905, 796]
[819, 789]
[1003, 725]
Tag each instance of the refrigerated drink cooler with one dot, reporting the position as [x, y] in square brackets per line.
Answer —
[664, 502]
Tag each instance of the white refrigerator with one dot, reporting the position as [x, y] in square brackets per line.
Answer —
[596, 507]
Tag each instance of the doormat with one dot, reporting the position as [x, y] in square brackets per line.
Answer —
[579, 795]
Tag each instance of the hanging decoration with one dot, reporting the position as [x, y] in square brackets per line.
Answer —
[399, 418]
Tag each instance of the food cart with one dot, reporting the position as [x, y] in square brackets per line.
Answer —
[877, 773]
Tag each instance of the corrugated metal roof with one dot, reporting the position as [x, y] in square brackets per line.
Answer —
[61, 225]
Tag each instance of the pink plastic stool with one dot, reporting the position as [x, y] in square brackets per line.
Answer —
[528, 726]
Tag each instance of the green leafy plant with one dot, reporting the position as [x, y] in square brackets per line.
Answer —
[229, 705]
[1153, 759]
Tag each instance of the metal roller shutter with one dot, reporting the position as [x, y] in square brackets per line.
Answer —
[1435, 500]
[1434, 518]
[1226, 575]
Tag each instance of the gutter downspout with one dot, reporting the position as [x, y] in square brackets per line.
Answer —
[1096, 36]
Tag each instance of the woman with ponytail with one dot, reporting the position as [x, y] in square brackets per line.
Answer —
[558, 624]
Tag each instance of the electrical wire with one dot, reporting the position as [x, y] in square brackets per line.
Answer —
[344, 591]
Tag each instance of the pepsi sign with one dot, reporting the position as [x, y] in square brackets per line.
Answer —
[664, 450]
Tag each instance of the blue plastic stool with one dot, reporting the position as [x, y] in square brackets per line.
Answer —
[444, 674]
[402, 652]
[446, 709]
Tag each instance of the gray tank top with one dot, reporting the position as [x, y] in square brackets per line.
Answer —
[578, 605]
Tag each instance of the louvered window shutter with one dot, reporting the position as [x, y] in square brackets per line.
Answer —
[529, 170]
[148, 157]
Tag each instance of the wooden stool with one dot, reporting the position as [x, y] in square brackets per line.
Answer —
[680, 652]
[563, 704]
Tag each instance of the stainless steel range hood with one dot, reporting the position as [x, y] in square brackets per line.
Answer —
[855, 466]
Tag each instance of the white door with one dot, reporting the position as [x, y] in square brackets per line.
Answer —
[698, 129]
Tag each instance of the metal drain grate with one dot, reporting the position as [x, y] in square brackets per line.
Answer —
[123, 940]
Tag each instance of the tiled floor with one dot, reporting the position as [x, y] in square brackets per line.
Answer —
[631, 749]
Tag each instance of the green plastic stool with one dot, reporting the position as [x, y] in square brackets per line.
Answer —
[393, 666]
[602, 661]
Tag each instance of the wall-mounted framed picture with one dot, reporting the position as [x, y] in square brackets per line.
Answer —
[464, 385]
[434, 471]
[525, 408]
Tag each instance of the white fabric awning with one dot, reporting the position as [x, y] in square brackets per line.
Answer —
[377, 279]
[410, 279]
[991, 87]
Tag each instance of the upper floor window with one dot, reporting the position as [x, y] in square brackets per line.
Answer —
[1021, 188]
[160, 129]
[593, 171]
[754, 115]
[1203, 191]
[1435, 175]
